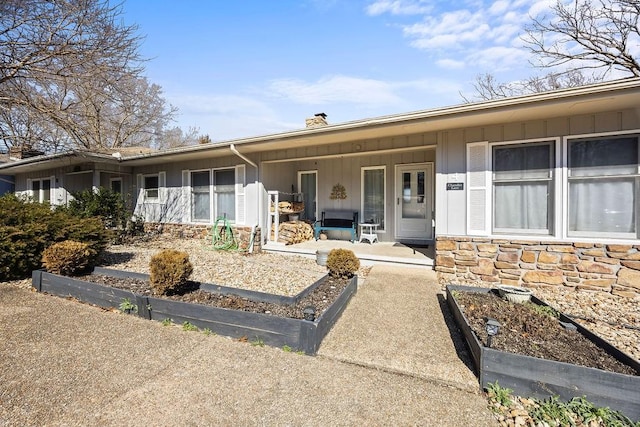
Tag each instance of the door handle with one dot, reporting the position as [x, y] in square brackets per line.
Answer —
[398, 202]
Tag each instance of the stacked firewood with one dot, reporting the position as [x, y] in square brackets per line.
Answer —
[294, 232]
[288, 207]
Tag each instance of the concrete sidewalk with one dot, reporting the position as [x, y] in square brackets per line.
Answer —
[66, 363]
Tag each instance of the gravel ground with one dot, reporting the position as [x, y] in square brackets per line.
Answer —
[265, 272]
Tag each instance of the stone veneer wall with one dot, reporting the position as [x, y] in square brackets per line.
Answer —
[200, 231]
[589, 266]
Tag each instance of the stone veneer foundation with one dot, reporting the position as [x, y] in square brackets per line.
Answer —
[585, 266]
[201, 231]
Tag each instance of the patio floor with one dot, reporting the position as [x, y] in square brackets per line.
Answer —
[369, 253]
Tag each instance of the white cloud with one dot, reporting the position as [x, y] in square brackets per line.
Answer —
[455, 36]
[399, 7]
[451, 64]
[335, 89]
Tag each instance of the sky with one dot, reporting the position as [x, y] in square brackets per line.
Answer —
[245, 68]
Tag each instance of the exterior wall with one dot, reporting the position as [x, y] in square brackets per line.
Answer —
[174, 209]
[347, 170]
[583, 266]
[451, 163]
[582, 263]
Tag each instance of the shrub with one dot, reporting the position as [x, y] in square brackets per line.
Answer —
[26, 229]
[342, 263]
[69, 258]
[170, 270]
[104, 203]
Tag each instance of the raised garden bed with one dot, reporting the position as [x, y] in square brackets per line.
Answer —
[272, 330]
[541, 378]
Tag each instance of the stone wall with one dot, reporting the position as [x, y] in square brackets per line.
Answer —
[201, 231]
[586, 266]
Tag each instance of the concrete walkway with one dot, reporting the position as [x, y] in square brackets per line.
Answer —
[397, 323]
[66, 363]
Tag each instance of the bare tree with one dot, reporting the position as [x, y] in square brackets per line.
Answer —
[590, 35]
[582, 42]
[487, 87]
[72, 65]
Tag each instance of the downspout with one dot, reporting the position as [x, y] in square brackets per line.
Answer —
[233, 149]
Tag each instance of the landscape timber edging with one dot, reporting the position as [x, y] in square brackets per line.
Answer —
[272, 330]
[534, 377]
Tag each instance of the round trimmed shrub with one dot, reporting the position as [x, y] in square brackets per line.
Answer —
[69, 258]
[169, 271]
[342, 263]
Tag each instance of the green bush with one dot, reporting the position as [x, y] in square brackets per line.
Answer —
[104, 203]
[170, 270]
[342, 263]
[69, 258]
[26, 229]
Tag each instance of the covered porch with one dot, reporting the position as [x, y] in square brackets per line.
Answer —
[380, 252]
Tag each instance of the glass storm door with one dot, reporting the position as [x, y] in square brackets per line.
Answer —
[414, 202]
[308, 186]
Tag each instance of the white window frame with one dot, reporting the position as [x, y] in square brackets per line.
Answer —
[215, 193]
[566, 233]
[239, 195]
[191, 198]
[112, 180]
[555, 177]
[382, 227]
[162, 191]
[39, 198]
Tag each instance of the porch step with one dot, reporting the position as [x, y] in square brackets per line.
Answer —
[369, 254]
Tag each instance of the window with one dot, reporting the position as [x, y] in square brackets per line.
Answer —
[224, 181]
[603, 182]
[373, 195]
[41, 190]
[201, 196]
[151, 186]
[523, 188]
[116, 185]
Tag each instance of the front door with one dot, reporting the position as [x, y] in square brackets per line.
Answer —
[414, 201]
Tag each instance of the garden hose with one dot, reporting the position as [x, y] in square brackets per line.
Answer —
[223, 239]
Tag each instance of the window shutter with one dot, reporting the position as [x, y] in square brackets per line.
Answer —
[478, 189]
[29, 192]
[186, 196]
[162, 187]
[241, 208]
[140, 189]
[52, 190]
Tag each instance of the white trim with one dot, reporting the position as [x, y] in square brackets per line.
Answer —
[429, 192]
[112, 180]
[383, 227]
[553, 217]
[189, 206]
[625, 238]
[312, 171]
[240, 195]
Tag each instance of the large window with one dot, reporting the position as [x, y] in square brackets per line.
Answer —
[523, 188]
[151, 185]
[41, 190]
[603, 185]
[224, 192]
[201, 196]
[373, 195]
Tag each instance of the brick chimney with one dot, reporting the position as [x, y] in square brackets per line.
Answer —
[23, 152]
[318, 120]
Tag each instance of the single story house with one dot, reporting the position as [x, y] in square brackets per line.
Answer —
[541, 189]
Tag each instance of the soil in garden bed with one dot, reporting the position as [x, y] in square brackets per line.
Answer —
[321, 297]
[528, 330]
